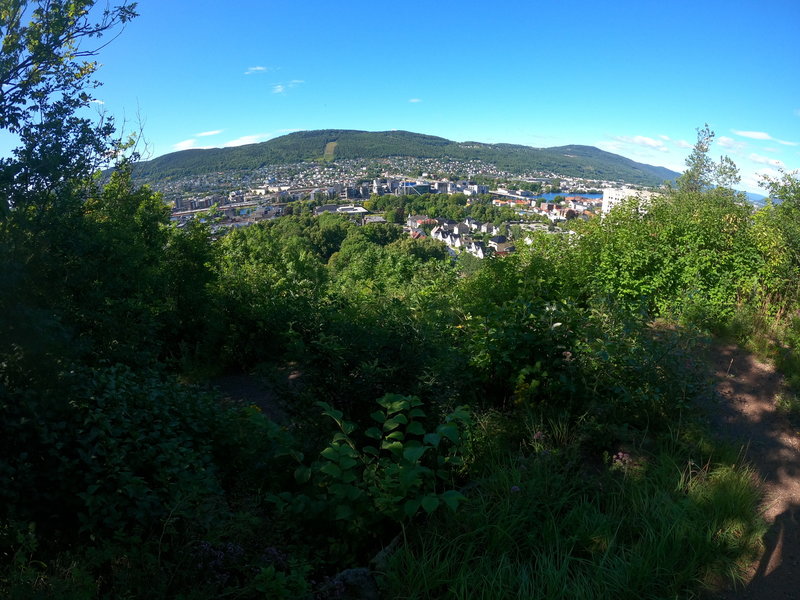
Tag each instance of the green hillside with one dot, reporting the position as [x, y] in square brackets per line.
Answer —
[333, 144]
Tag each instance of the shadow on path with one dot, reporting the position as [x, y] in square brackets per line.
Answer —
[746, 416]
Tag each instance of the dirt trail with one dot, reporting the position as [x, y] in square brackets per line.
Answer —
[746, 415]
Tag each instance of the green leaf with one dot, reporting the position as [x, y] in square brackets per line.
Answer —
[413, 475]
[354, 493]
[461, 413]
[452, 499]
[302, 474]
[348, 451]
[372, 450]
[348, 477]
[378, 416]
[449, 431]
[394, 422]
[374, 433]
[396, 435]
[393, 403]
[414, 454]
[415, 428]
[343, 513]
[331, 412]
[416, 413]
[433, 439]
[411, 507]
[430, 503]
[331, 453]
[347, 463]
[393, 447]
[331, 469]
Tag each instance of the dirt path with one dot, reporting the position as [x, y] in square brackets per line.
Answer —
[746, 415]
[264, 392]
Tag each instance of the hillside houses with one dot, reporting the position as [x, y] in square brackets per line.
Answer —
[417, 221]
[467, 236]
[573, 206]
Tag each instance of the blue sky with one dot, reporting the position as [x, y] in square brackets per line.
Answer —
[632, 77]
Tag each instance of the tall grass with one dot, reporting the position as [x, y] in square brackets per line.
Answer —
[551, 525]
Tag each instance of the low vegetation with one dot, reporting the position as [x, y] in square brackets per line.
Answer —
[524, 428]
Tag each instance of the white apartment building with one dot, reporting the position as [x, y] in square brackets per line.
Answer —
[613, 196]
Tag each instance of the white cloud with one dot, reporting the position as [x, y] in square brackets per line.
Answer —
[762, 135]
[614, 147]
[251, 70]
[774, 173]
[207, 133]
[642, 149]
[753, 135]
[664, 137]
[184, 145]
[766, 160]
[415, 100]
[246, 139]
[730, 143]
[280, 88]
[753, 181]
[641, 140]
[95, 101]
[683, 144]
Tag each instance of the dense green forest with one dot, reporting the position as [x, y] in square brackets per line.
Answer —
[575, 161]
[521, 427]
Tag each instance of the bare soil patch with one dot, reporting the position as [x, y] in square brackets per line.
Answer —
[746, 416]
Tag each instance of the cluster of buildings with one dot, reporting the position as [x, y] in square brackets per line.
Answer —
[471, 236]
[467, 236]
[242, 207]
[402, 187]
[573, 206]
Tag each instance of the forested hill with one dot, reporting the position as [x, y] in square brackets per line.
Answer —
[333, 144]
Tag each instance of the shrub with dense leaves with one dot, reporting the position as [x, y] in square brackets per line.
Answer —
[107, 452]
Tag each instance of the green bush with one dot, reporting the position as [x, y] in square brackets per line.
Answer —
[368, 482]
[108, 452]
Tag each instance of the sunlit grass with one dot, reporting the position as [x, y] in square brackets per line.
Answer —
[547, 525]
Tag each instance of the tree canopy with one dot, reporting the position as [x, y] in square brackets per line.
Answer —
[46, 78]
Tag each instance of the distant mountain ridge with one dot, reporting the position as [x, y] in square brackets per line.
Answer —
[340, 144]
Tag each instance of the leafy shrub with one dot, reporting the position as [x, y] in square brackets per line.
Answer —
[108, 452]
[366, 486]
